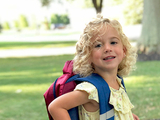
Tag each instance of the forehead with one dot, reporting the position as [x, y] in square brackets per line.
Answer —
[107, 32]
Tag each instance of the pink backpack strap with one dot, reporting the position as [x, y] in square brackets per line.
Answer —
[67, 73]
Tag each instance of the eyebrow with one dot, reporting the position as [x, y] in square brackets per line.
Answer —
[97, 42]
[112, 38]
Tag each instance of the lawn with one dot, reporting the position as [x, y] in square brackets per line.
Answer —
[22, 45]
[23, 82]
[143, 89]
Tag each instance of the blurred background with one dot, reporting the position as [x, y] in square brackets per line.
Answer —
[38, 36]
[50, 14]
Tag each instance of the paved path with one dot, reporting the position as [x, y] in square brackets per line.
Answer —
[36, 52]
[133, 32]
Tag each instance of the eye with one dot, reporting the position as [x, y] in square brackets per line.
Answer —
[98, 45]
[114, 43]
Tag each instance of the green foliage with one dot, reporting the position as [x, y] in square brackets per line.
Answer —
[46, 2]
[64, 19]
[6, 25]
[46, 24]
[115, 2]
[23, 21]
[88, 4]
[133, 10]
[55, 19]
[16, 24]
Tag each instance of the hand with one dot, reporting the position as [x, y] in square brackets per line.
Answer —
[135, 117]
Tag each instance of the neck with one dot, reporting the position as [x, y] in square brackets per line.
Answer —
[108, 76]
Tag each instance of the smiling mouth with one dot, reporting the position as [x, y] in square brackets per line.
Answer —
[109, 58]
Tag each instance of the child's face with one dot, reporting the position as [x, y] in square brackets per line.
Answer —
[107, 51]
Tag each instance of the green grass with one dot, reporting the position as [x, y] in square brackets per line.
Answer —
[31, 76]
[23, 82]
[22, 45]
[143, 89]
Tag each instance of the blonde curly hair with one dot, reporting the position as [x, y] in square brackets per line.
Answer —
[84, 46]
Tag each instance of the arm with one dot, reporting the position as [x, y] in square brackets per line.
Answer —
[58, 108]
[135, 117]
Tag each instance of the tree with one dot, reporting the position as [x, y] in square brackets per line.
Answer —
[96, 3]
[55, 18]
[149, 42]
[6, 25]
[23, 21]
[46, 2]
[132, 12]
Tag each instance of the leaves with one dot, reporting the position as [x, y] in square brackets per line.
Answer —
[46, 2]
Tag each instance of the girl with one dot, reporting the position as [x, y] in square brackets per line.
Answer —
[103, 49]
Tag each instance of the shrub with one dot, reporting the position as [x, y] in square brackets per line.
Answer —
[57, 19]
[46, 24]
[6, 26]
[16, 24]
[23, 21]
[64, 19]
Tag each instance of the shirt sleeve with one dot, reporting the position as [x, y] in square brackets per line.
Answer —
[90, 89]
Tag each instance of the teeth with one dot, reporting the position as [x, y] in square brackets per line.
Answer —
[108, 58]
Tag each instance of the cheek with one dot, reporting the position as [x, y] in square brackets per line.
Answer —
[95, 56]
[121, 53]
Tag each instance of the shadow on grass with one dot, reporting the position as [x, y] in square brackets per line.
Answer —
[34, 70]
[23, 82]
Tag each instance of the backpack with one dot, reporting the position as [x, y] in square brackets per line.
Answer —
[60, 87]
[67, 83]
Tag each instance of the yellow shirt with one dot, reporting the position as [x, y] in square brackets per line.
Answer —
[118, 98]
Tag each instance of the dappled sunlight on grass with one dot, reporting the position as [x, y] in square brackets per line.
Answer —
[143, 89]
[26, 88]
[134, 79]
[23, 82]
[15, 73]
[27, 73]
[142, 80]
[27, 78]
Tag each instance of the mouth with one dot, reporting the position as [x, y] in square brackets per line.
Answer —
[109, 58]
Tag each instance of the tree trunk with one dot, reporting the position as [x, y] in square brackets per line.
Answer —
[97, 6]
[149, 41]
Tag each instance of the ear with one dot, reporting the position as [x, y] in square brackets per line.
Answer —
[124, 51]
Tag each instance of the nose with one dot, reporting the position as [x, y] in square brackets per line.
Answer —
[107, 48]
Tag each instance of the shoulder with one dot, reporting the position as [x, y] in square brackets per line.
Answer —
[90, 89]
[85, 86]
